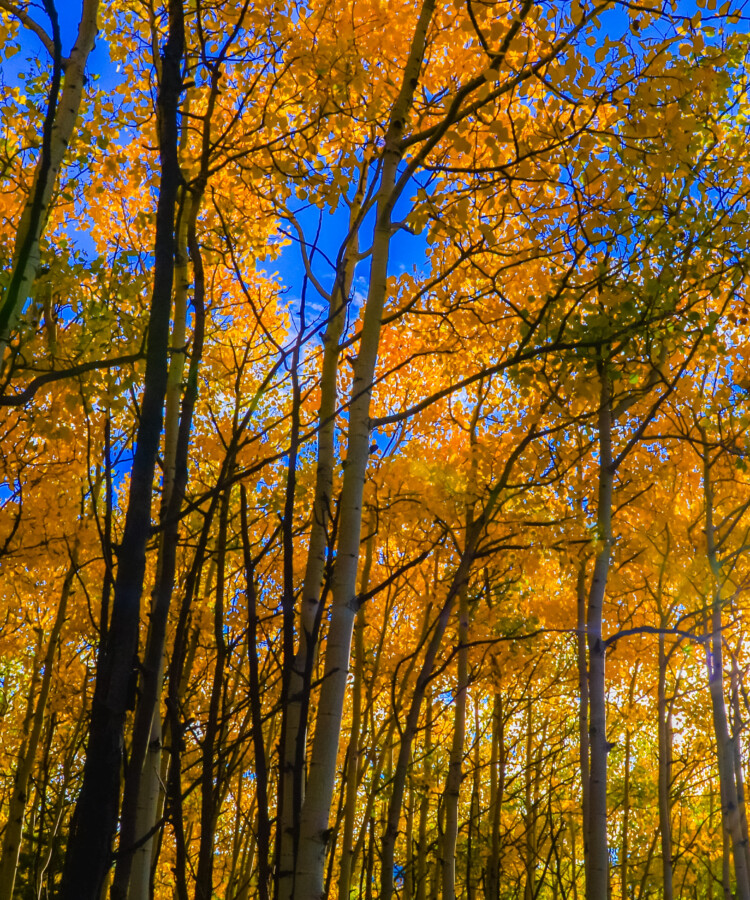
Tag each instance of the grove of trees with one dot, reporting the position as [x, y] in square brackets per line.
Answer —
[375, 428]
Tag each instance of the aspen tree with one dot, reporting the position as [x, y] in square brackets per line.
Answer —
[455, 775]
[95, 817]
[315, 812]
[63, 106]
[730, 800]
[13, 831]
[292, 788]
[597, 883]
[354, 750]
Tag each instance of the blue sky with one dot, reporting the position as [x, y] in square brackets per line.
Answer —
[31, 47]
[407, 251]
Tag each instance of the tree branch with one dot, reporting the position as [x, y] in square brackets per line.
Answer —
[58, 375]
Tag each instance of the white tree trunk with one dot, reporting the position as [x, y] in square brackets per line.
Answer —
[314, 821]
[36, 212]
[354, 751]
[292, 773]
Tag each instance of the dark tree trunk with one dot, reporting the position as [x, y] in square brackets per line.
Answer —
[211, 768]
[597, 875]
[665, 775]
[89, 852]
[151, 675]
[259, 747]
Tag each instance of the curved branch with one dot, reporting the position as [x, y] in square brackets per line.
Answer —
[25, 19]
[58, 375]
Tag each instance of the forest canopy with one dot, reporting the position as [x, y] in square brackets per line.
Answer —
[375, 420]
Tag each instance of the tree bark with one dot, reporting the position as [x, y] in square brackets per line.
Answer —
[88, 855]
[142, 785]
[530, 851]
[474, 838]
[737, 729]
[353, 754]
[424, 804]
[314, 819]
[211, 769]
[625, 846]
[730, 804]
[454, 778]
[294, 725]
[597, 882]
[584, 750]
[665, 776]
[410, 728]
[497, 790]
[259, 747]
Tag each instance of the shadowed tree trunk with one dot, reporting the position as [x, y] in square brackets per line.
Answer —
[424, 802]
[143, 781]
[88, 855]
[453, 781]
[211, 767]
[665, 776]
[725, 749]
[497, 789]
[597, 883]
[584, 751]
[737, 728]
